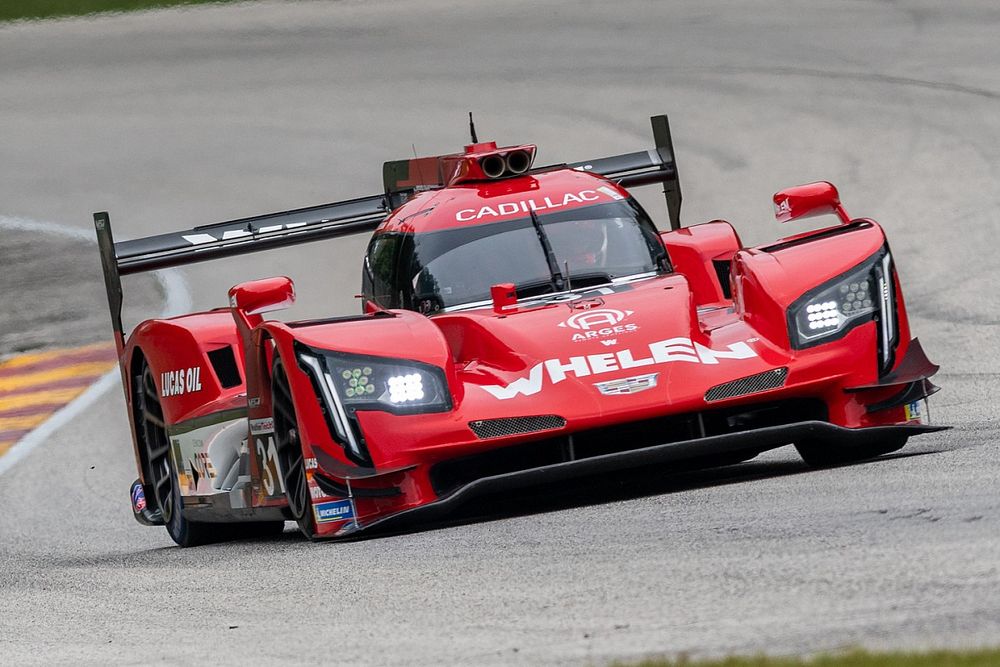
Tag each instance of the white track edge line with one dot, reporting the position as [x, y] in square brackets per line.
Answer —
[177, 300]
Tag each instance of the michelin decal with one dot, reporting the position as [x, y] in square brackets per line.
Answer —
[335, 510]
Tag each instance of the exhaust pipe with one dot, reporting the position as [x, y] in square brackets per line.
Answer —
[518, 162]
[493, 166]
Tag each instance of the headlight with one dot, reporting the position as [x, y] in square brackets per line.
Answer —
[863, 294]
[347, 383]
[377, 383]
[364, 383]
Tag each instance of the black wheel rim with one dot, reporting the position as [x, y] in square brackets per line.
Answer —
[157, 445]
[288, 448]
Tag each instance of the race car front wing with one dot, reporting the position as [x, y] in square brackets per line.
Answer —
[756, 440]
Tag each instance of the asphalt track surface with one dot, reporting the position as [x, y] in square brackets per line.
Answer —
[174, 118]
[54, 290]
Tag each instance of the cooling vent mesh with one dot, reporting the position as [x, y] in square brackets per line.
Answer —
[749, 385]
[498, 428]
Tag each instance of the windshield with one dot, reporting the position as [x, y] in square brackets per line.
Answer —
[540, 254]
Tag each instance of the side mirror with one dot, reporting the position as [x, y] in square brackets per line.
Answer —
[803, 201]
[262, 296]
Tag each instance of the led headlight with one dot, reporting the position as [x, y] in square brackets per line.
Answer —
[863, 294]
[377, 383]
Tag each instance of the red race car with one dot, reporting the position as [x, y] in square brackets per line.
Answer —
[520, 325]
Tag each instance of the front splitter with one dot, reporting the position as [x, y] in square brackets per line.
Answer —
[761, 440]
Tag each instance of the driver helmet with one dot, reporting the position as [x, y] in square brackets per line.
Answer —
[587, 244]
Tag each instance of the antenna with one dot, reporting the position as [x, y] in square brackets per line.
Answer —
[472, 129]
[416, 163]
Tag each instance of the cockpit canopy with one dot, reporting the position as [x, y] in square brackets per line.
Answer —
[540, 253]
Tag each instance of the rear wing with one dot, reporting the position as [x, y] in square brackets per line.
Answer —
[657, 165]
[226, 239]
[277, 230]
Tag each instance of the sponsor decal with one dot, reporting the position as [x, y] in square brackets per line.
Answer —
[138, 498]
[335, 510]
[581, 303]
[783, 210]
[267, 457]
[253, 402]
[203, 465]
[522, 206]
[203, 238]
[632, 385]
[262, 426]
[611, 192]
[311, 464]
[913, 412]
[316, 492]
[597, 323]
[595, 318]
[181, 381]
[190, 478]
[660, 352]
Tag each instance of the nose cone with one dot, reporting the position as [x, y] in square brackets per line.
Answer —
[562, 348]
[634, 351]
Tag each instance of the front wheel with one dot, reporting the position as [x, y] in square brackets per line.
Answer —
[162, 476]
[288, 447]
[161, 470]
[823, 453]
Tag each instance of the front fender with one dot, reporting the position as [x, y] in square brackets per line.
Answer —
[177, 351]
[769, 279]
[394, 335]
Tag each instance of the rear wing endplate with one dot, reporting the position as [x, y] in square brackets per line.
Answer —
[226, 239]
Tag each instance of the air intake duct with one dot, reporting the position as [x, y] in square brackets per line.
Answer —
[486, 429]
[772, 379]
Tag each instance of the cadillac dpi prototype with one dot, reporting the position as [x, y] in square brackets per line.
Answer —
[520, 325]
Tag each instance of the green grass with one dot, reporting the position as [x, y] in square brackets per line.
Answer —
[43, 9]
[976, 658]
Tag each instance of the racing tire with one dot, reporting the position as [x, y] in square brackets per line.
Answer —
[161, 470]
[166, 489]
[823, 453]
[288, 448]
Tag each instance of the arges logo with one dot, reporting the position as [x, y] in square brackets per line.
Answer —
[596, 318]
[598, 323]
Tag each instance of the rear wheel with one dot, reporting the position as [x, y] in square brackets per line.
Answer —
[288, 447]
[162, 476]
[824, 453]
